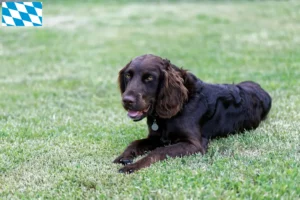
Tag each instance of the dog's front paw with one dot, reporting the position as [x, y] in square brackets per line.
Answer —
[123, 160]
[128, 169]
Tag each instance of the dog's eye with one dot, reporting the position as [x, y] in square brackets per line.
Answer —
[148, 78]
[128, 76]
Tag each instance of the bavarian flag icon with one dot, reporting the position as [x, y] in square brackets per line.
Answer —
[22, 14]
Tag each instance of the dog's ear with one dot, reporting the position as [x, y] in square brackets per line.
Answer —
[172, 94]
[121, 78]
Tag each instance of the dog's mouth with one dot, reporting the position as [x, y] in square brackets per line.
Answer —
[138, 115]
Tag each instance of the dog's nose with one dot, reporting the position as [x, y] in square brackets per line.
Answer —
[128, 100]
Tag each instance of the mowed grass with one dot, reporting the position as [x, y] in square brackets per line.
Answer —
[62, 124]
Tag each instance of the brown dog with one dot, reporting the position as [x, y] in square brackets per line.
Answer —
[183, 113]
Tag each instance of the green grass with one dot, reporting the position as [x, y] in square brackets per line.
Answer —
[62, 124]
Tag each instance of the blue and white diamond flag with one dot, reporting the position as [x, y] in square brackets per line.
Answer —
[22, 14]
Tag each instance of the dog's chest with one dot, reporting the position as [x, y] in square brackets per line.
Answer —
[169, 134]
[164, 138]
[167, 130]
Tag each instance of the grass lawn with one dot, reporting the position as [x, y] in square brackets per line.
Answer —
[62, 124]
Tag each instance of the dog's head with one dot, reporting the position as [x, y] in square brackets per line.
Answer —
[151, 85]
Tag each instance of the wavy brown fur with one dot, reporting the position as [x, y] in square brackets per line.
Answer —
[173, 93]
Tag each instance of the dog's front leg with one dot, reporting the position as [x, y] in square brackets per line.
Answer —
[136, 148]
[176, 150]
